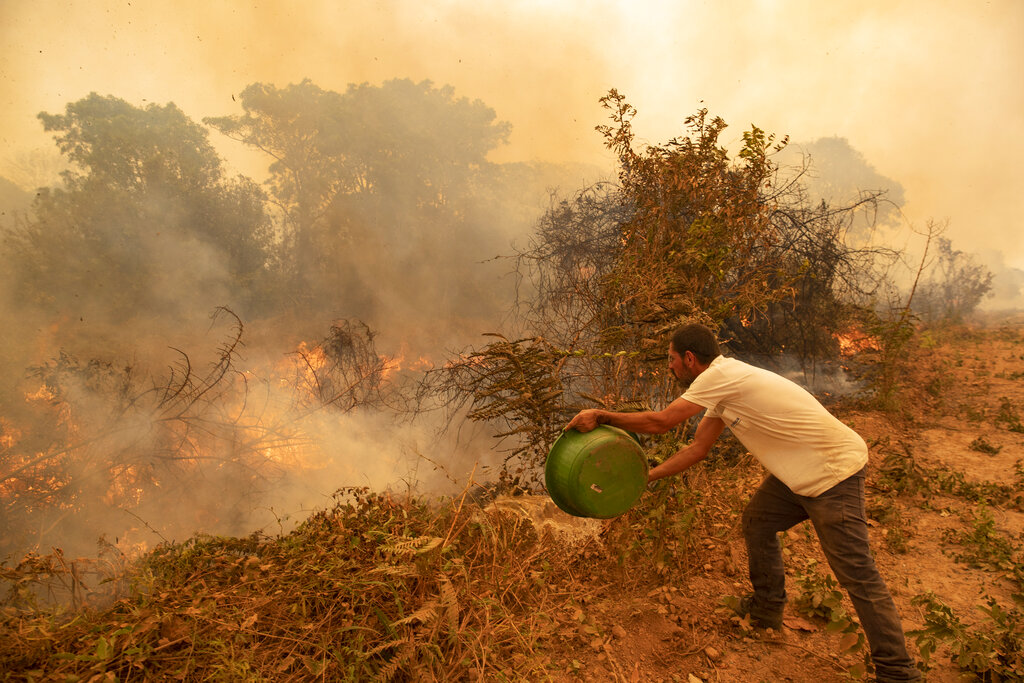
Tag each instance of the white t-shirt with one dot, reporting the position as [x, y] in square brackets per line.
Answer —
[781, 424]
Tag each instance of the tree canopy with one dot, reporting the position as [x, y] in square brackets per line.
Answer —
[145, 218]
[379, 184]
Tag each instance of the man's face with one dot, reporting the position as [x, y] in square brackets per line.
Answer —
[679, 367]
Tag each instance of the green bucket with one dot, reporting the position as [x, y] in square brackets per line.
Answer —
[601, 473]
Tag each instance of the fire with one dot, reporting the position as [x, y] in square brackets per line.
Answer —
[398, 362]
[9, 434]
[422, 363]
[43, 393]
[66, 453]
[89, 437]
[854, 341]
[303, 365]
[392, 365]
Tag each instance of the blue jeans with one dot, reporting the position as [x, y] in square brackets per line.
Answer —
[841, 524]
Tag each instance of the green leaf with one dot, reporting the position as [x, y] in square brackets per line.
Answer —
[103, 649]
[849, 642]
[838, 625]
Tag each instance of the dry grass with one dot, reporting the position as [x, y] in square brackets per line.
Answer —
[373, 589]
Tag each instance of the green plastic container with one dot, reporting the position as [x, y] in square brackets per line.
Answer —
[598, 474]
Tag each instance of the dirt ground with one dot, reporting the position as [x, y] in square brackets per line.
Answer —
[680, 632]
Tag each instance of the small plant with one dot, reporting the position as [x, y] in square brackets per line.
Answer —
[990, 652]
[940, 384]
[901, 473]
[984, 547]
[895, 528]
[1013, 376]
[895, 336]
[1008, 416]
[972, 414]
[983, 492]
[983, 446]
[820, 598]
[660, 531]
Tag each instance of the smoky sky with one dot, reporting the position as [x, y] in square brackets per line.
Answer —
[928, 91]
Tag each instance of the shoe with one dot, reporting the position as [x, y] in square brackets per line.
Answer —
[744, 606]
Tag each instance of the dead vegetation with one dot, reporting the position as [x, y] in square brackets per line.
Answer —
[374, 588]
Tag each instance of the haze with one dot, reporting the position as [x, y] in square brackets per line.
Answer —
[929, 92]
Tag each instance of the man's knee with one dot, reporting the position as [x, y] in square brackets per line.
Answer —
[746, 520]
[755, 526]
[866, 584]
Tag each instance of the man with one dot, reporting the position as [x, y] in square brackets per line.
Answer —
[816, 471]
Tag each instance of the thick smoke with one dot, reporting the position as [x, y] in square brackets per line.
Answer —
[882, 75]
[831, 171]
[186, 355]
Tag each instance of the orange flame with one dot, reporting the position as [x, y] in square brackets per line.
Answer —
[854, 341]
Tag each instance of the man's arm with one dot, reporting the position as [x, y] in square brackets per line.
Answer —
[647, 422]
[709, 429]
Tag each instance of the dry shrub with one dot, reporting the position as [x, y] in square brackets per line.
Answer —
[688, 234]
[373, 589]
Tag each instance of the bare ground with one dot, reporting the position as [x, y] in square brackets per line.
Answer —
[679, 632]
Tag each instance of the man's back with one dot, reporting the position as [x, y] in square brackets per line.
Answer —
[781, 423]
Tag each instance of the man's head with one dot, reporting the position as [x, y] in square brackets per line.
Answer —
[692, 349]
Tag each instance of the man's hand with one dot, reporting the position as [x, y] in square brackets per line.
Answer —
[585, 420]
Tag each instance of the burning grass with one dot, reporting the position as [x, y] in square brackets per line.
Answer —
[98, 446]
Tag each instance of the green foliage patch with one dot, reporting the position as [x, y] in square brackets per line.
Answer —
[985, 547]
[819, 597]
[992, 651]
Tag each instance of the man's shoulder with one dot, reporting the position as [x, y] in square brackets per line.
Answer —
[719, 369]
[734, 372]
[726, 366]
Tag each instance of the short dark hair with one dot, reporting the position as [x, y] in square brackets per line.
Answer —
[698, 340]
